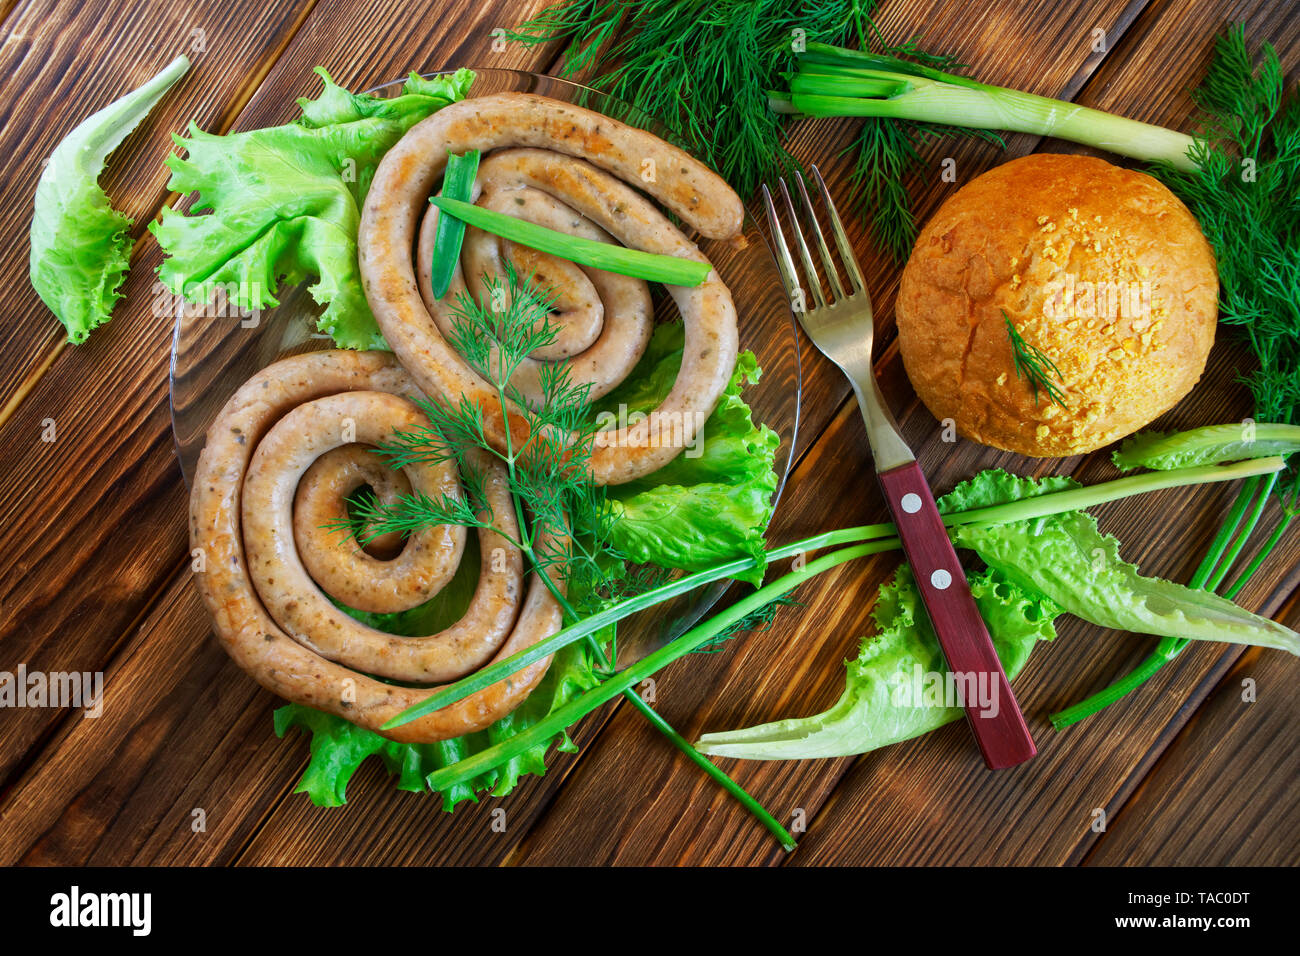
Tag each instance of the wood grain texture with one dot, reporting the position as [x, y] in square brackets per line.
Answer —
[184, 730]
[114, 537]
[698, 840]
[93, 521]
[182, 767]
[181, 731]
[1221, 793]
[82, 57]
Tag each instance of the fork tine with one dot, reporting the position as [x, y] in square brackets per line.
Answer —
[783, 260]
[810, 271]
[823, 250]
[841, 237]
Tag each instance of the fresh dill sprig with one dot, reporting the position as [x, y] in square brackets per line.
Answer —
[417, 510]
[700, 67]
[1034, 365]
[1245, 192]
[886, 151]
[564, 520]
[759, 619]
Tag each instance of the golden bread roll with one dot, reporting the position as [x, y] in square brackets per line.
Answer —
[1101, 269]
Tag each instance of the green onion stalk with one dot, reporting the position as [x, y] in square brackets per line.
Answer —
[611, 257]
[1213, 569]
[833, 81]
[851, 543]
[458, 184]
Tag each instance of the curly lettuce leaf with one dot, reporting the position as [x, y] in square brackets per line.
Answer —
[80, 245]
[1211, 445]
[994, 486]
[1067, 559]
[338, 747]
[711, 503]
[880, 705]
[284, 204]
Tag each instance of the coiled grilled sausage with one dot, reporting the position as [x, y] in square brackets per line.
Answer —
[568, 153]
[273, 618]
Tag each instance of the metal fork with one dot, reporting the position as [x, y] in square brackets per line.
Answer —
[842, 327]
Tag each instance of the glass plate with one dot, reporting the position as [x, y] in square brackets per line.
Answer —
[213, 353]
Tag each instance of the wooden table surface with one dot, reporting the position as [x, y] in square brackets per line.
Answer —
[95, 571]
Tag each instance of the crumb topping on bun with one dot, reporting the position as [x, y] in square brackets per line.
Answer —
[1103, 274]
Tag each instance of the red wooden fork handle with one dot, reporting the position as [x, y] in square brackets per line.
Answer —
[994, 716]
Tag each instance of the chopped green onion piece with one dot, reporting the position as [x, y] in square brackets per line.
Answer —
[457, 183]
[650, 266]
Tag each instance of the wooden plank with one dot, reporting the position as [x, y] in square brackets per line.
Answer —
[1222, 793]
[130, 818]
[796, 668]
[81, 57]
[115, 536]
[386, 827]
[715, 840]
[1280, 26]
[6, 8]
[93, 519]
[181, 730]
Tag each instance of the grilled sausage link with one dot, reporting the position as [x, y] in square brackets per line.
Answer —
[283, 454]
[583, 161]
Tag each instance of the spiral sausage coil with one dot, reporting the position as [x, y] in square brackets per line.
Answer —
[566, 168]
[284, 453]
[290, 446]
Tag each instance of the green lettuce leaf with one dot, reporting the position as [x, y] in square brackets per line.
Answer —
[1038, 569]
[891, 693]
[1067, 559]
[80, 245]
[283, 204]
[994, 486]
[1211, 445]
[652, 378]
[711, 503]
[338, 748]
